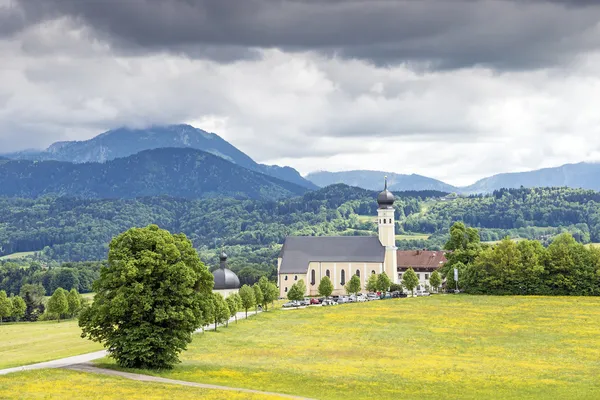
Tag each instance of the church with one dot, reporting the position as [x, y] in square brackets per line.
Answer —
[340, 257]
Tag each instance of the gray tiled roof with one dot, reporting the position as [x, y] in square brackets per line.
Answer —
[298, 251]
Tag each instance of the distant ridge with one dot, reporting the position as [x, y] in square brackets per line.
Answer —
[582, 175]
[373, 180]
[175, 172]
[123, 142]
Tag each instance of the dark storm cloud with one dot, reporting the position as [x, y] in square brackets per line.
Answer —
[437, 33]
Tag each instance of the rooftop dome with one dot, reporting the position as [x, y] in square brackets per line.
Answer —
[385, 199]
[224, 277]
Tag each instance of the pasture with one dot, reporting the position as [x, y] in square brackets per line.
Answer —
[468, 347]
[32, 342]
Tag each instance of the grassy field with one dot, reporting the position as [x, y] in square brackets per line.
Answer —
[62, 384]
[32, 342]
[14, 256]
[464, 347]
[413, 236]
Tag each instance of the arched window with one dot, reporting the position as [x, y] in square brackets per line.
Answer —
[295, 277]
[328, 274]
[286, 290]
[313, 278]
[285, 279]
[373, 272]
[358, 273]
[343, 281]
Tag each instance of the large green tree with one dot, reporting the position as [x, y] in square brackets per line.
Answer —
[5, 306]
[247, 297]
[325, 287]
[295, 292]
[58, 303]
[410, 280]
[148, 299]
[33, 295]
[353, 285]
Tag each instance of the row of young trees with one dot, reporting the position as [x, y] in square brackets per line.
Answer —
[375, 283]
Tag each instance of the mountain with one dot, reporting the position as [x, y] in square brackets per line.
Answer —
[373, 180]
[124, 142]
[581, 175]
[177, 172]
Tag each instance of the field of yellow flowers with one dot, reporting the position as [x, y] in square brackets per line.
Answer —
[63, 384]
[467, 347]
[28, 342]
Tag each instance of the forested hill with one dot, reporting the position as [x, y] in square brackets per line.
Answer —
[124, 142]
[174, 172]
[517, 209]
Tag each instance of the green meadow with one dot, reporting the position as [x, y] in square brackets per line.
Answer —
[468, 347]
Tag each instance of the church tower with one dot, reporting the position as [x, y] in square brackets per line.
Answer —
[387, 232]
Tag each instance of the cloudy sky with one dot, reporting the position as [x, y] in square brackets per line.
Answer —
[453, 89]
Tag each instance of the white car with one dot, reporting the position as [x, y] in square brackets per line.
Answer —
[328, 303]
[361, 299]
[422, 293]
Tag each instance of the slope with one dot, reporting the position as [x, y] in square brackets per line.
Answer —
[178, 172]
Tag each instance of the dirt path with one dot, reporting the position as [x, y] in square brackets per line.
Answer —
[147, 378]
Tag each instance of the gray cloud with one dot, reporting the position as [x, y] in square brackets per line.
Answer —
[431, 33]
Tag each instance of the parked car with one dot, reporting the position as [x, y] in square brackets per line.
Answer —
[398, 294]
[315, 301]
[361, 299]
[305, 302]
[328, 303]
[422, 293]
[342, 300]
[372, 296]
[289, 304]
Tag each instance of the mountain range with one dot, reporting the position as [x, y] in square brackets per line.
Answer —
[124, 142]
[581, 175]
[176, 172]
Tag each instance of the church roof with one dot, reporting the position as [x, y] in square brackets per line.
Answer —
[298, 251]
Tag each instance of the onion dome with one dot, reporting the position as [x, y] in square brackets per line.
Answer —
[385, 199]
[224, 277]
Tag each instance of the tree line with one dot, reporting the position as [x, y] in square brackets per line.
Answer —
[526, 267]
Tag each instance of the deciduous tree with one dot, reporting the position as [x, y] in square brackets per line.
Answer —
[372, 283]
[258, 296]
[325, 287]
[353, 285]
[247, 297]
[148, 299]
[383, 282]
[74, 301]
[18, 307]
[222, 312]
[233, 306]
[5, 306]
[58, 303]
[295, 293]
[268, 290]
[410, 280]
[435, 280]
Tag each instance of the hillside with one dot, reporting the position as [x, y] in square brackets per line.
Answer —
[186, 173]
[123, 142]
[373, 180]
[581, 175]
